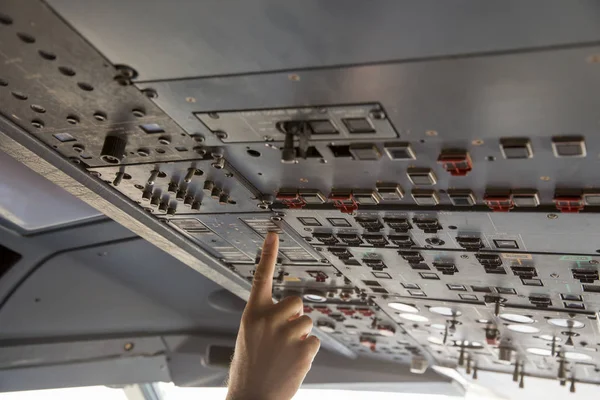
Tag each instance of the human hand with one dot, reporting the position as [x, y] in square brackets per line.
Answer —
[273, 352]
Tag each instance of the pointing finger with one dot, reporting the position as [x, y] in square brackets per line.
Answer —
[262, 285]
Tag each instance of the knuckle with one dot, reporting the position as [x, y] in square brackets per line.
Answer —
[294, 301]
[313, 344]
[306, 321]
[290, 303]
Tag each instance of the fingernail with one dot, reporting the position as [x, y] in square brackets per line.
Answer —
[271, 238]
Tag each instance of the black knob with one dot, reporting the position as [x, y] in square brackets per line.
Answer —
[288, 153]
[113, 149]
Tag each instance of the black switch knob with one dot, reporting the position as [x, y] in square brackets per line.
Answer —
[113, 150]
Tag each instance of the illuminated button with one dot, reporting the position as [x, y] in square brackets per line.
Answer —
[498, 199]
[457, 162]
[429, 275]
[410, 286]
[425, 197]
[366, 196]
[339, 222]
[399, 151]
[461, 197]
[504, 290]
[452, 286]
[382, 275]
[358, 125]
[309, 221]
[592, 197]
[525, 198]
[531, 282]
[481, 289]
[402, 241]
[312, 196]
[568, 146]
[421, 176]
[513, 148]
[569, 202]
[571, 297]
[364, 151]
[322, 127]
[64, 137]
[390, 192]
[152, 128]
[505, 244]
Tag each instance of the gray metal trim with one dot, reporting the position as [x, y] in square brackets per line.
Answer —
[26, 149]
[37, 156]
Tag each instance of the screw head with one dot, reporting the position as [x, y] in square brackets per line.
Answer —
[37, 124]
[79, 148]
[128, 346]
[552, 216]
[137, 112]
[150, 93]
[221, 135]
[377, 114]
[73, 120]
[100, 116]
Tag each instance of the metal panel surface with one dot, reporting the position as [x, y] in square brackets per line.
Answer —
[183, 187]
[365, 221]
[466, 103]
[173, 39]
[531, 232]
[55, 84]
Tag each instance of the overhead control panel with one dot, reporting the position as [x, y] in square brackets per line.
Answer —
[443, 210]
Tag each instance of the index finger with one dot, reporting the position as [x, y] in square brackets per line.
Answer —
[262, 284]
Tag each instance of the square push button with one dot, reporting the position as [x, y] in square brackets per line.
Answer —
[322, 127]
[358, 125]
[399, 151]
[514, 148]
[506, 244]
[568, 146]
[421, 176]
[364, 151]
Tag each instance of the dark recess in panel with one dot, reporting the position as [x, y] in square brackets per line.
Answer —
[8, 258]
